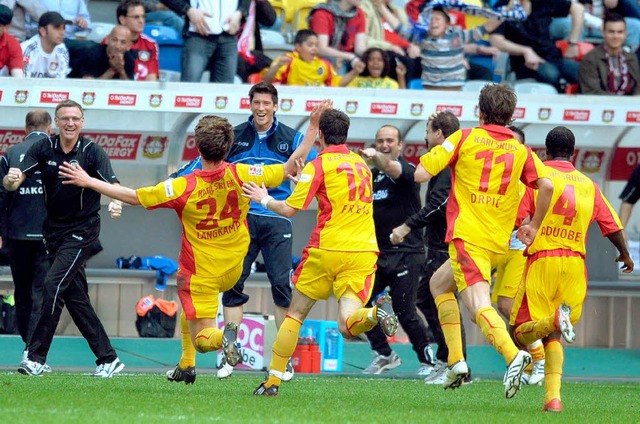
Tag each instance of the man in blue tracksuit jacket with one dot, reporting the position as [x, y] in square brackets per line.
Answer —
[262, 140]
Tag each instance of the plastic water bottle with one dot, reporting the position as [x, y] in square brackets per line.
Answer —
[332, 339]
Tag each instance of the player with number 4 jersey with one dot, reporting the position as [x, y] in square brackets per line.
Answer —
[552, 292]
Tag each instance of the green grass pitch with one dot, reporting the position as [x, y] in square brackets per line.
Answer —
[63, 397]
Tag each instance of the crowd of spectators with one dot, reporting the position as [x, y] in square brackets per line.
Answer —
[430, 44]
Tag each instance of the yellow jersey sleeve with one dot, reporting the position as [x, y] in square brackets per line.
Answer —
[162, 193]
[305, 190]
[270, 175]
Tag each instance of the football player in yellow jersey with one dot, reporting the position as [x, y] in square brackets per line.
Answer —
[215, 237]
[487, 163]
[341, 255]
[550, 297]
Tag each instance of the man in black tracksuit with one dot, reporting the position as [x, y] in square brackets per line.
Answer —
[71, 229]
[433, 218]
[396, 196]
[24, 211]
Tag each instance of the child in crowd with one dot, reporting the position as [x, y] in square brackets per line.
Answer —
[376, 72]
[304, 67]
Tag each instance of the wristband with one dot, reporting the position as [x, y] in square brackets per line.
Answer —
[265, 200]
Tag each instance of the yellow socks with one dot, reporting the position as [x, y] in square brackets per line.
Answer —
[553, 369]
[188, 358]
[449, 316]
[283, 348]
[209, 339]
[495, 330]
[530, 331]
[361, 321]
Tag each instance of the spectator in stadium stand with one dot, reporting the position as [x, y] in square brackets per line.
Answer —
[608, 69]
[533, 53]
[72, 10]
[251, 58]
[23, 9]
[341, 29]
[23, 213]
[10, 51]
[444, 66]
[112, 60]
[45, 55]
[304, 67]
[595, 12]
[70, 230]
[210, 42]
[131, 13]
[159, 14]
[377, 71]
[383, 17]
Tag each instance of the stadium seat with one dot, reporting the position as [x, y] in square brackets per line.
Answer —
[274, 51]
[272, 37]
[169, 76]
[169, 44]
[583, 48]
[415, 84]
[98, 31]
[302, 9]
[534, 88]
[254, 78]
[474, 86]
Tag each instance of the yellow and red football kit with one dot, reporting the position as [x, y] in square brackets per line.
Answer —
[342, 250]
[555, 271]
[317, 73]
[215, 237]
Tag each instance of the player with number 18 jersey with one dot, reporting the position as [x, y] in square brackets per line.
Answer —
[340, 180]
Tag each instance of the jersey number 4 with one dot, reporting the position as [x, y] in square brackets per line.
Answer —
[229, 210]
[566, 204]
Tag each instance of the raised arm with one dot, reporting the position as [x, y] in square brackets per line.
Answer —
[309, 138]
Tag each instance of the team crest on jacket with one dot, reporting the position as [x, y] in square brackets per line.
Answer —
[153, 147]
[53, 66]
[144, 55]
[88, 97]
[283, 147]
[21, 96]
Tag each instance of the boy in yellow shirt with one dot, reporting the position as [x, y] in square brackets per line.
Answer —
[304, 67]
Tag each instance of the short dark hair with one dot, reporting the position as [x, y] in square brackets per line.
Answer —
[303, 35]
[497, 103]
[69, 103]
[385, 59]
[445, 121]
[560, 142]
[613, 17]
[517, 130]
[37, 120]
[264, 88]
[334, 125]
[124, 6]
[214, 137]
